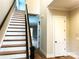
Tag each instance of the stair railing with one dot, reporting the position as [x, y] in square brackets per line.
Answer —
[30, 48]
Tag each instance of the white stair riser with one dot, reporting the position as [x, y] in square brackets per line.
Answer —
[17, 26]
[13, 42]
[15, 37]
[15, 33]
[13, 49]
[16, 29]
[13, 56]
[16, 21]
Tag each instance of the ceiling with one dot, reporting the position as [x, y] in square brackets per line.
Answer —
[64, 4]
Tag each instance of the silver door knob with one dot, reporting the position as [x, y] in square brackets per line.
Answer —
[55, 41]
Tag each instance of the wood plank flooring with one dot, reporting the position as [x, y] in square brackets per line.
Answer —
[38, 55]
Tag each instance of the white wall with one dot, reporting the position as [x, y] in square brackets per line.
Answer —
[4, 7]
[33, 6]
[43, 26]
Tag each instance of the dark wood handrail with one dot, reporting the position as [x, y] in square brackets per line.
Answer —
[6, 15]
[29, 38]
[28, 23]
[27, 53]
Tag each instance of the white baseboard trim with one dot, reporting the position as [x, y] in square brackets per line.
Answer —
[73, 55]
[43, 52]
[50, 55]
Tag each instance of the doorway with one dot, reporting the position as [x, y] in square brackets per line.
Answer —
[59, 35]
[20, 4]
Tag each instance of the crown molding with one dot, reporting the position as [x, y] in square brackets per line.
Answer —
[64, 9]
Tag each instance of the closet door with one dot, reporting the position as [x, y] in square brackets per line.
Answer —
[59, 35]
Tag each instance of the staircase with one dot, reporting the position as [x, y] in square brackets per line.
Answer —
[14, 44]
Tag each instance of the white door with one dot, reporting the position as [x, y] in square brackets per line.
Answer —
[59, 35]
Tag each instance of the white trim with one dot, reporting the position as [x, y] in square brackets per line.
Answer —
[73, 55]
[43, 52]
[64, 9]
[50, 55]
[47, 55]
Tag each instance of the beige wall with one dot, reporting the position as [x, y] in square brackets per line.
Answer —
[74, 31]
[4, 7]
[33, 6]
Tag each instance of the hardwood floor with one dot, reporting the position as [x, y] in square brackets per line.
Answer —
[40, 56]
[37, 56]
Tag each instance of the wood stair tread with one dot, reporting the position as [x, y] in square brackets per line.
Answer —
[14, 39]
[15, 31]
[15, 35]
[12, 52]
[18, 17]
[17, 22]
[16, 25]
[16, 28]
[11, 45]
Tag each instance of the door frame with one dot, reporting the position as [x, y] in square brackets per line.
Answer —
[54, 35]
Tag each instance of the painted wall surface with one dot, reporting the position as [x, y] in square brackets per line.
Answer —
[43, 27]
[33, 6]
[4, 7]
[74, 31]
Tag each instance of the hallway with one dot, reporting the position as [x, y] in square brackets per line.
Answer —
[55, 34]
